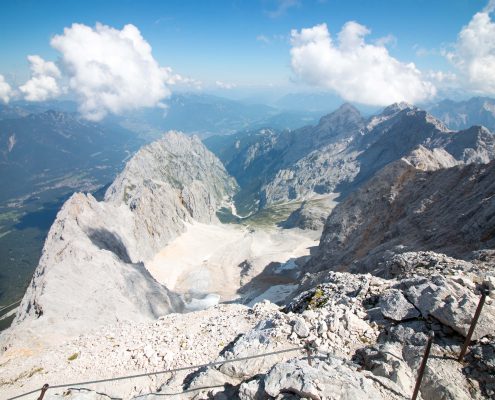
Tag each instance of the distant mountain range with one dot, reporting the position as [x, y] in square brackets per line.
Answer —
[39, 146]
[464, 114]
[206, 115]
[43, 150]
[338, 154]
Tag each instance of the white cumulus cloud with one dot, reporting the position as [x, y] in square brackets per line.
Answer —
[225, 85]
[356, 70]
[5, 90]
[474, 52]
[43, 84]
[177, 79]
[111, 70]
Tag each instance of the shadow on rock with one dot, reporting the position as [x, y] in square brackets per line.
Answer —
[106, 240]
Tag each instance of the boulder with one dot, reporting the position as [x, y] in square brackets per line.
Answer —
[263, 338]
[452, 304]
[395, 306]
[252, 390]
[319, 380]
[386, 360]
[300, 328]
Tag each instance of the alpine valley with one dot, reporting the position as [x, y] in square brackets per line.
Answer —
[357, 234]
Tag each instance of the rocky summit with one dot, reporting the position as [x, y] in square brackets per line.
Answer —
[405, 209]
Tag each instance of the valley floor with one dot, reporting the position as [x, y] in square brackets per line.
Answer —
[215, 262]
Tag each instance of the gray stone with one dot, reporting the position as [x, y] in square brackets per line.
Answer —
[252, 390]
[442, 382]
[310, 215]
[458, 312]
[395, 306]
[386, 360]
[407, 335]
[259, 340]
[300, 328]
[318, 381]
[453, 305]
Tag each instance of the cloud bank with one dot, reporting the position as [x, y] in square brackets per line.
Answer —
[474, 53]
[43, 84]
[110, 70]
[5, 90]
[356, 70]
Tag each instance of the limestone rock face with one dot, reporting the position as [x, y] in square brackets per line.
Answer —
[350, 158]
[403, 209]
[310, 215]
[91, 271]
[169, 182]
[450, 303]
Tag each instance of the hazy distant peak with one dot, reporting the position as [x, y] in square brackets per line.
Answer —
[435, 121]
[397, 107]
[463, 114]
[55, 117]
[347, 107]
[344, 115]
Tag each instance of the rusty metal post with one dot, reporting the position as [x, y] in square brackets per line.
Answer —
[484, 293]
[308, 352]
[43, 391]
[422, 367]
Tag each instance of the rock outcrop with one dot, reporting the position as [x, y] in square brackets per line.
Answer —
[403, 208]
[167, 183]
[91, 272]
[310, 214]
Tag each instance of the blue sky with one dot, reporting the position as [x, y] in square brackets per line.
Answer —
[246, 43]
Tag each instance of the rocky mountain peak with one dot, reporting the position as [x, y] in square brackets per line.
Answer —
[345, 117]
[176, 160]
[397, 107]
[409, 117]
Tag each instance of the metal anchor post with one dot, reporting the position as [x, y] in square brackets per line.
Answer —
[422, 367]
[43, 391]
[484, 293]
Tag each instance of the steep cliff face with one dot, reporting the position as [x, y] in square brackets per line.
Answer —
[289, 159]
[91, 272]
[167, 183]
[405, 208]
[350, 160]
